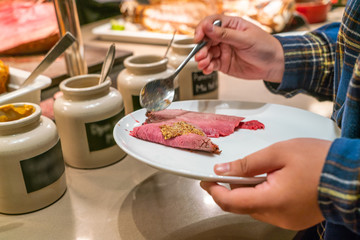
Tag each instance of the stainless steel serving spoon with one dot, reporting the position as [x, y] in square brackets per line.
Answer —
[158, 94]
[108, 63]
[50, 57]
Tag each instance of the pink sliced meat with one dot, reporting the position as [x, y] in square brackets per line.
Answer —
[151, 132]
[213, 125]
[27, 26]
[252, 125]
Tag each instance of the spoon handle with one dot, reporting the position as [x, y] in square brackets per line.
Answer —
[194, 51]
[50, 57]
[107, 65]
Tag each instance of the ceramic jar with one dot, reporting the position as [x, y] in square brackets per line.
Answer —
[138, 71]
[193, 84]
[85, 115]
[32, 169]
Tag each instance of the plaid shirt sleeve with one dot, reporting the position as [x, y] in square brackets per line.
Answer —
[339, 189]
[317, 65]
[309, 63]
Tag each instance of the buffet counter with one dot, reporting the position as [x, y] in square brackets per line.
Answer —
[130, 200]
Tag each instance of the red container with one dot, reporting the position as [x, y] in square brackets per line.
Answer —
[314, 11]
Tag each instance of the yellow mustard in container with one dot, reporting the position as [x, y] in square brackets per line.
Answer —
[86, 115]
[10, 112]
[32, 169]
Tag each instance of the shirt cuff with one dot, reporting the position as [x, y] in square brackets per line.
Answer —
[338, 191]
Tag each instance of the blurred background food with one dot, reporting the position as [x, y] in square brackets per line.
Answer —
[4, 76]
[167, 15]
[183, 15]
[271, 15]
[27, 27]
[315, 11]
[30, 26]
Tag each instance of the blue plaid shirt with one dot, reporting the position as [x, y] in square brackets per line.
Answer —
[325, 63]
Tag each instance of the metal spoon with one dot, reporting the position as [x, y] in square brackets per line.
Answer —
[169, 44]
[50, 57]
[158, 94]
[108, 63]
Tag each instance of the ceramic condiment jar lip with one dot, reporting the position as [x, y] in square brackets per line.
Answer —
[83, 84]
[184, 43]
[143, 64]
[32, 118]
[183, 46]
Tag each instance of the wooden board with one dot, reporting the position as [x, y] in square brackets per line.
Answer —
[94, 57]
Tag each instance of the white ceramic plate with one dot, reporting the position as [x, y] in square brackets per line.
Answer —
[281, 123]
[139, 36]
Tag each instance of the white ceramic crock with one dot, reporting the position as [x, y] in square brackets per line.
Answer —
[138, 71]
[193, 84]
[85, 115]
[32, 169]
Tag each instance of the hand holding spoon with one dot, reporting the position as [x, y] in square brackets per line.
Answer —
[158, 94]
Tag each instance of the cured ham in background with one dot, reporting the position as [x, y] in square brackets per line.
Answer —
[27, 27]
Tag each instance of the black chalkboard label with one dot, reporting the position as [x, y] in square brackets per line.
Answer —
[136, 99]
[204, 83]
[44, 169]
[100, 134]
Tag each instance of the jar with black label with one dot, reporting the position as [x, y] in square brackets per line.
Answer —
[138, 71]
[85, 115]
[193, 83]
[32, 169]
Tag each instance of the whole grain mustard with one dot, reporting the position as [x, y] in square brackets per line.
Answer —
[178, 129]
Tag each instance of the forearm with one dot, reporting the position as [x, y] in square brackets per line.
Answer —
[309, 63]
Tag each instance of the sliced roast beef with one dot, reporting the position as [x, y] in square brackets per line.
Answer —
[152, 132]
[190, 130]
[213, 125]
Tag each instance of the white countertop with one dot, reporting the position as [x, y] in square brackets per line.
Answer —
[129, 200]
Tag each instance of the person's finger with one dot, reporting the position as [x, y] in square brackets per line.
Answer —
[204, 26]
[262, 161]
[203, 63]
[213, 66]
[234, 37]
[236, 32]
[215, 52]
[209, 69]
[206, 185]
[207, 58]
[246, 200]
[201, 54]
